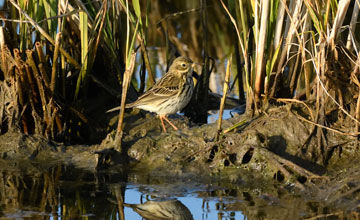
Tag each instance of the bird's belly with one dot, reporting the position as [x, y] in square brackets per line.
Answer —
[149, 108]
[184, 98]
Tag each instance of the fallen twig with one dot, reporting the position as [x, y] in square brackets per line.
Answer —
[353, 134]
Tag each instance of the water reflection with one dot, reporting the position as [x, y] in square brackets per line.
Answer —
[63, 192]
[31, 191]
[168, 209]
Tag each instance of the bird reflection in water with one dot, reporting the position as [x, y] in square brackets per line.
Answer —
[162, 210]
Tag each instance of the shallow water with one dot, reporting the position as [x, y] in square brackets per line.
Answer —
[30, 191]
[68, 193]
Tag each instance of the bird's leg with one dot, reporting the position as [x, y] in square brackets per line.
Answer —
[170, 123]
[162, 122]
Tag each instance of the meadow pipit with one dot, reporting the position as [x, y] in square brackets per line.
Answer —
[170, 94]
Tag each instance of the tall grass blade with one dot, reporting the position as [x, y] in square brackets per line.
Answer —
[50, 7]
[132, 43]
[84, 52]
[136, 5]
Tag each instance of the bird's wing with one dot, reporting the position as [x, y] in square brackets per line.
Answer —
[165, 91]
[154, 95]
[169, 85]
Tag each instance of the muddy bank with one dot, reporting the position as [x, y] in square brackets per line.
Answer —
[27, 149]
[276, 144]
[273, 150]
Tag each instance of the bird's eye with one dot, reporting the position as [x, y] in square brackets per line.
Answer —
[183, 65]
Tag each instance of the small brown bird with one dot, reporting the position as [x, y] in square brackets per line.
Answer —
[162, 210]
[169, 95]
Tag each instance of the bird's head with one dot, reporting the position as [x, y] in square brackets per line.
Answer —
[182, 65]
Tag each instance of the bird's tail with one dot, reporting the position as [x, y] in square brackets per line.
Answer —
[130, 105]
[113, 109]
[129, 205]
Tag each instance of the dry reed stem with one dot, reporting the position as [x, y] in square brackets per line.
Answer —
[30, 80]
[353, 134]
[39, 82]
[31, 64]
[18, 74]
[17, 58]
[355, 80]
[2, 38]
[58, 120]
[54, 63]
[3, 58]
[44, 75]
[126, 81]
[52, 116]
[63, 76]
[147, 62]
[225, 90]
[19, 89]
[357, 113]
[8, 62]
[42, 59]
[339, 19]
[20, 94]
[33, 100]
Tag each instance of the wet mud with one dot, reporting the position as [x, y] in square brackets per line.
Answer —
[267, 160]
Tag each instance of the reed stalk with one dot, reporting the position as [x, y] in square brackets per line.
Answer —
[130, 65]
[29, 78]
[42, 59]
[260, 48]
[44, 75]
[4, 51]
[222, 102]
[38, 78]
[55, 63]
[126, 82]
[339, 19]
